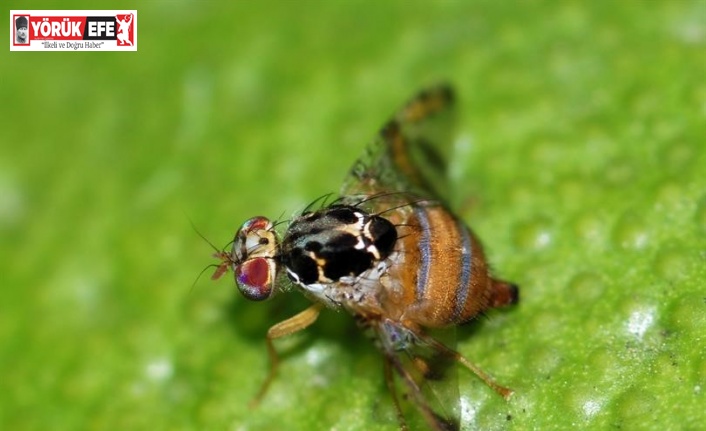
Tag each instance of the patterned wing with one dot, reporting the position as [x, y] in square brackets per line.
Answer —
[421, 378]
[411, 151]
[407, 162]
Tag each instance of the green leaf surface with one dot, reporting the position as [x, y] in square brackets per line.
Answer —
[581, 156]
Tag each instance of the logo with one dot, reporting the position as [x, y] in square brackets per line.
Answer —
[73, 30]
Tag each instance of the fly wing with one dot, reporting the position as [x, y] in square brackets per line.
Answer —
[421, 379]
[411, 152]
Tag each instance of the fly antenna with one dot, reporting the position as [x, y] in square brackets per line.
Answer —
[193, 226]
[221, 254]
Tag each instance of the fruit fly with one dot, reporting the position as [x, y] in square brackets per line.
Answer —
[390, 252]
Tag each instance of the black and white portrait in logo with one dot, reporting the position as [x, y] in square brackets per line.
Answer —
[21, 34]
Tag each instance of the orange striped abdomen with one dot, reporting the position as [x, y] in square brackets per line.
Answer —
[443, 275]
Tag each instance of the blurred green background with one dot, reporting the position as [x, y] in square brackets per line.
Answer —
[582, 152]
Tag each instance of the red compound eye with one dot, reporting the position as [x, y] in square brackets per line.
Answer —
[255, 278]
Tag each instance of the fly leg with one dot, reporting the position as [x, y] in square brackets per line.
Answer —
[287, 327]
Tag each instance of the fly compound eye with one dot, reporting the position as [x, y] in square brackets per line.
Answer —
[255, 238]
[254, 249]
[255, 278]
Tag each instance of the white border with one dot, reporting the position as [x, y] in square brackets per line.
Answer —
[37, 45]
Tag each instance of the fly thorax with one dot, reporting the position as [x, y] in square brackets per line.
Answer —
[337, 245]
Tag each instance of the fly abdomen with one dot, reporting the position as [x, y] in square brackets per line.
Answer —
[443, 271]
